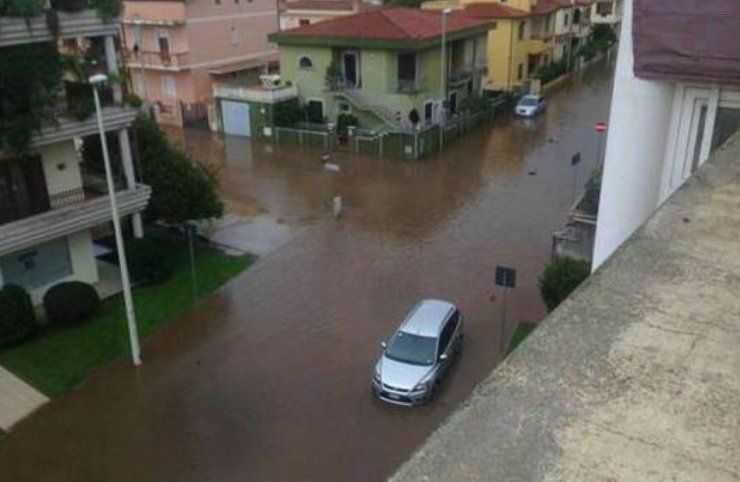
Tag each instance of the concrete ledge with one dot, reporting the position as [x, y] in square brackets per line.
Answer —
[635, 377]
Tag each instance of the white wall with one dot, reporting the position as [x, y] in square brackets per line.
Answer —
[61, 167]
[635, 150]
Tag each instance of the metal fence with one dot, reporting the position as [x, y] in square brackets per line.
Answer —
[304, 137]
[387, 143]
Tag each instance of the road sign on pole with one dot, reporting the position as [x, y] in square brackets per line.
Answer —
[574, 161]
[506, 278]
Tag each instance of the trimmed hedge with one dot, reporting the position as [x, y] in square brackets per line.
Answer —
[560, 278]
[70, 303]
[18, 320]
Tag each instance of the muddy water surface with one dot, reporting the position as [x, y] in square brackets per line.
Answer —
[268, 379]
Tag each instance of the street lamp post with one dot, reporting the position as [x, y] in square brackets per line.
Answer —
[96, 81]
[443, 79]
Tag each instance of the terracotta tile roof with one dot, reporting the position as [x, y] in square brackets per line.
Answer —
[493, 10]
[396, 23]
[544, 7]
[341, 5]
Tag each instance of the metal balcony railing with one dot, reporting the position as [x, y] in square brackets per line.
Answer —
[74, 211]
[155, 59]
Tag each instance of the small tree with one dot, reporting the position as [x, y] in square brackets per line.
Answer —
[560, 278]
[333, 77]
[182, 189]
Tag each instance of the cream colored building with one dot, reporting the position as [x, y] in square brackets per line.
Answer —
[51, 204]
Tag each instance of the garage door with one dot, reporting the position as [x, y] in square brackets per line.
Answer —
[235, 117]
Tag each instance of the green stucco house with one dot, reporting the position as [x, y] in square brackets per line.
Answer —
[382, 64]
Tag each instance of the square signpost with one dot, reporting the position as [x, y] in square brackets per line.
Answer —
[505, 278]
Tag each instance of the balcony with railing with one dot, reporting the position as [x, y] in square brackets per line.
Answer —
[40, 217]
[149, 59]
[465, 72]
[73, 114]
[18, 29]
[254, 93]
[409, 86]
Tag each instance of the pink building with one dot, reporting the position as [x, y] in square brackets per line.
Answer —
[176, 50]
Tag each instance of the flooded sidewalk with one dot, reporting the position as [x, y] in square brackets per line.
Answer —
[268, 379]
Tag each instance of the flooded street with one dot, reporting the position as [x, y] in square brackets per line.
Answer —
[269, 378]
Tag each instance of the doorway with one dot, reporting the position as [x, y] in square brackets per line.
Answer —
[164, 48]
[351, 68]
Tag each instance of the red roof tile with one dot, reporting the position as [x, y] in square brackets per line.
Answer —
[493, 10]
[397, 23]
[544, 7]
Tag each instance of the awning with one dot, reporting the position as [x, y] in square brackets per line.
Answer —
[230, 68]
[687, 40]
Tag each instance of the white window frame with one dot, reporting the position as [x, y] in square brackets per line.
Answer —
[683, 134]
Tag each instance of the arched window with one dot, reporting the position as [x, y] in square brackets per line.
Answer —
[305, 63]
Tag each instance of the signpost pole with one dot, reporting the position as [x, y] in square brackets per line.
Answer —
[503, 324]
[191, 230]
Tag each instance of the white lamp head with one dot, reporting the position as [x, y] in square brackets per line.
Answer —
[98, 79]
[447, 11]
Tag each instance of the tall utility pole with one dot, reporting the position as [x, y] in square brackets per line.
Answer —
[97, 81]
[443, 79]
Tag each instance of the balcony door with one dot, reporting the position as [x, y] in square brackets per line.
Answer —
[351, 68]
[163, 42]
[22, 189]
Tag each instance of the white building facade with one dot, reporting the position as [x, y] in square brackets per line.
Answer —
[660, 132]
[51, 205]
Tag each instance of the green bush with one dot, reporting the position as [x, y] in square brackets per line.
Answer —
[551, 71]
[182, 188]
[150, 260]
[344, 121]
[560, 278]
[21, 8]
[18, 320]
[288, 113]
[70, 303]
[333, 78]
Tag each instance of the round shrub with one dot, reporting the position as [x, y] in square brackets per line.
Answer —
[18, 320]
[560, 278]
[150, 260]
[70, 303]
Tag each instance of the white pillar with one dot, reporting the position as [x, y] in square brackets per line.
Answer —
[112, 66]
[635, 149]
[128, 171]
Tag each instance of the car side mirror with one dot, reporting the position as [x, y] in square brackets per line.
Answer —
[443, 357]
[383, 345]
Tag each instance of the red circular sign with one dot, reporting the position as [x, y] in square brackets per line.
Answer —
[600, 127]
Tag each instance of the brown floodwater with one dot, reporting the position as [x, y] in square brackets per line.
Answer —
[268, 379]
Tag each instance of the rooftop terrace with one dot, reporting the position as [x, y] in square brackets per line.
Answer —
[634, 377]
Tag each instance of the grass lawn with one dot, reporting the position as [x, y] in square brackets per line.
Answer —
[60, 358]
[522, 331]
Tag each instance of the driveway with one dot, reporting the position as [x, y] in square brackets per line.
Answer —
[268, 379]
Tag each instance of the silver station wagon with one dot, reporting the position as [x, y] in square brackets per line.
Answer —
[416, 358]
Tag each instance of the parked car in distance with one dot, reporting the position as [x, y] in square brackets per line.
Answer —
[416, 358]
[530, 105]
